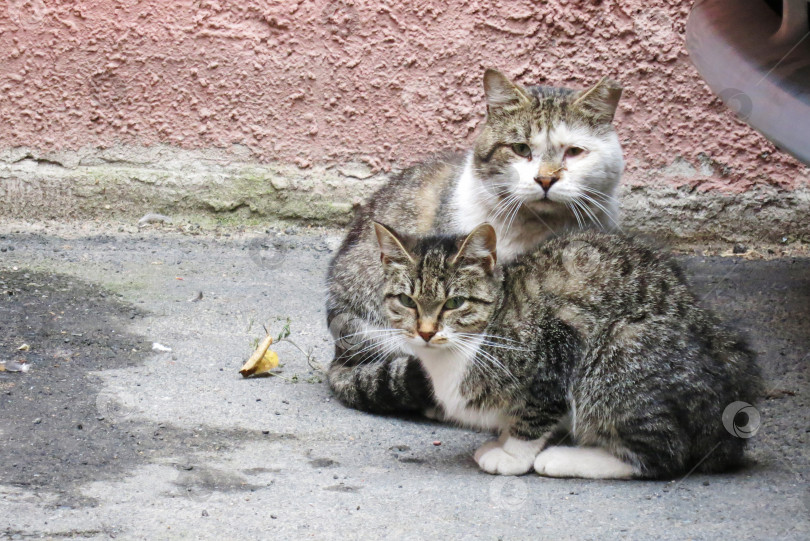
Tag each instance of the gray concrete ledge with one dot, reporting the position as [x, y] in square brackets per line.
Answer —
[766, 214]
[229, 186]
[129, 182]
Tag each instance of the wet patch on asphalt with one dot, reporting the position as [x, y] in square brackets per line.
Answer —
[58, 430]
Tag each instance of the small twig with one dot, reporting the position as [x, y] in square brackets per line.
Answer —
[308, 354]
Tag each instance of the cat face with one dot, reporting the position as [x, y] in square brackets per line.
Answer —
[549, 148]
[439, 291]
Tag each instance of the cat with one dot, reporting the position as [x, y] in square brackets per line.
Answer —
[545, 160]
[593, 337]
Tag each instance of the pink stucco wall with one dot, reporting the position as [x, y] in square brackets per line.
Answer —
[317, 81]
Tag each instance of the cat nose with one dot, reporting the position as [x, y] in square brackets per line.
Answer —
[546, 181]
[426, 336]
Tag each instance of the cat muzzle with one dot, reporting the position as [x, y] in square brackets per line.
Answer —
[426, 336]
[547, 176]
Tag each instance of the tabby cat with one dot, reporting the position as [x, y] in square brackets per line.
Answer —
[593, 337]
[546, 159]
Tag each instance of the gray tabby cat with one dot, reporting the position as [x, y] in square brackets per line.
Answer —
[546, 159]
[593, 336]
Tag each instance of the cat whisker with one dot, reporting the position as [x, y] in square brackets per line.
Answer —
[502, 346]
[466, 349]
[503, 206]
[514, 214]
[487, 369]
[471, 348]
[386, 351]
[381, 356]
[376, 342]
[497, 366]
[599, 193]
[604, 211]
[600, 196]
[379, 341]
[499, 208]
[488, 336]
[575, 212]
[508, 210]
[588, 198]
[375, 336]
[587, 212]
[496, 189]
[370, 331]
[552, 230]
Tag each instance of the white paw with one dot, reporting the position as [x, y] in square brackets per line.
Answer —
[491, 444]
[585, 462]
[508, 456]
[500, 462]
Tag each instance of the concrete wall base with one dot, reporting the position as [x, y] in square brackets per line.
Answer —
[230, 186]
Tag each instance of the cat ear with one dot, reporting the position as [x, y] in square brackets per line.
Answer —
[479, 246]
[501, 91]
[392, 248]
[600, 101]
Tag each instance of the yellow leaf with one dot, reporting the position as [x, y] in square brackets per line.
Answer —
[262, 360]
[269, 361]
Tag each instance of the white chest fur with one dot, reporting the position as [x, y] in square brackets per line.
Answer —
[447, 369]
[473, 205]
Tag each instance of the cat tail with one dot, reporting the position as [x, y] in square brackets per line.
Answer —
[391, 384]
[746, 388]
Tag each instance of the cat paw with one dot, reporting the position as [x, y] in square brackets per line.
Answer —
[500, 462]
[507, 456]
[487, 447]
[584, 462]
[435, 414]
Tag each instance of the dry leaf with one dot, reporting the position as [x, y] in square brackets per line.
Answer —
[262, 359]
[268, 362]
[24, 347]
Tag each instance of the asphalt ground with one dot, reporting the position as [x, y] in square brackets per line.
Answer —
[104, 437]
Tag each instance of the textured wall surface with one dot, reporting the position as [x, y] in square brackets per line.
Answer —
[313, 82]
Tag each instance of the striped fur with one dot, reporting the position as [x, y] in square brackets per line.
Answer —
[451, 194]
[594, 336]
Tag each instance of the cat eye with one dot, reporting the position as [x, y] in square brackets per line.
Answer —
[454, 302]
[522, 149]
[406, 301]
[574, 151]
